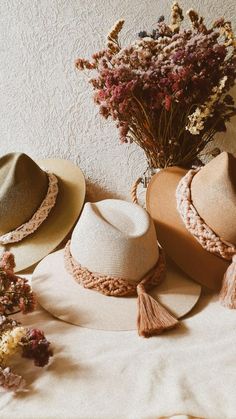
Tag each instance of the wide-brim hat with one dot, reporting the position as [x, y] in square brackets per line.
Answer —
[112, 237]
[21, 190]
[213, 194]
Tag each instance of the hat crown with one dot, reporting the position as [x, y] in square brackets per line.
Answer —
[116, 238]
[213, 191]
[23, 186]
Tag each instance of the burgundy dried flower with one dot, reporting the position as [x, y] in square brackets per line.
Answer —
[35, 346]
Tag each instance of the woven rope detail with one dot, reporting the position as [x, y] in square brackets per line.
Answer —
[110, 285]
[133, 191]
[39, 216]
[196, 225]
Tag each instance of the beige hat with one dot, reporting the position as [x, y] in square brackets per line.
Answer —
[113, 246]
[195, 217]
[39, 204]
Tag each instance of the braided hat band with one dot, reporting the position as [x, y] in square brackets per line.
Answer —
[153, 318]
[39, 216]
[207, 238]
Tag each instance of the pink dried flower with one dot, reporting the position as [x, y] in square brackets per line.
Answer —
[16, 295]
[11, 381]
[27, 303]
[7, 262]
[167, 102]
[15, 292]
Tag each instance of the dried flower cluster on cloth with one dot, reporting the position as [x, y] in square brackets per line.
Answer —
[16, 296]
[167, 90]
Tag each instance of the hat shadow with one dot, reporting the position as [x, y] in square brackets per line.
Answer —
[180, 330]
[94, 193]
[206, 297]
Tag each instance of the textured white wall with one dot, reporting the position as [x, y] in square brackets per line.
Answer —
[46, 108]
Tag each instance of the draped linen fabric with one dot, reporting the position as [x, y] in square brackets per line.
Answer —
[187, 372]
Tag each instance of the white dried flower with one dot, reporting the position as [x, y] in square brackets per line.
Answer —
[200, 115]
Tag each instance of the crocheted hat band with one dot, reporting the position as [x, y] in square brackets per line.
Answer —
[152, 317]
[38, 217]
[207, 238]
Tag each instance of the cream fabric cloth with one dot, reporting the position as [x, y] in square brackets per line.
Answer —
[118, 375]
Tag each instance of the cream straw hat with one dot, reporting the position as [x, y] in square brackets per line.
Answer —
[113, 256]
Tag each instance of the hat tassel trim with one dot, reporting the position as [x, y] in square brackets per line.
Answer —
[153, 318]
[228, 291]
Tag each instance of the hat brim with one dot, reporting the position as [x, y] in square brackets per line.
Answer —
[180, 245]
[59, 293]
[60, 220]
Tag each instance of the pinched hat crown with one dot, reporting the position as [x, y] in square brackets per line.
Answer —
[213, 191]
[114, 237]
[23, 186]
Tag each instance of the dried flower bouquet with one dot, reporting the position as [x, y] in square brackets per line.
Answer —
[167, 90]
[16, 296]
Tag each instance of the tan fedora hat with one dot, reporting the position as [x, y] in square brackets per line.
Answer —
[212, 196]
[39, 204]
[113, 247]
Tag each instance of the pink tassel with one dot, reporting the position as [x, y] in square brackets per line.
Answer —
[228, 291]
[153, 318]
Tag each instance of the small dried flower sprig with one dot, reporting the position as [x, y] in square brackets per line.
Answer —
[176, 17]
[35, 346]
[197, 21]
[112, 38]
[167, 91]
[202, 113]
[9, 342]
[226, 30]
[31, 343]
[15, 292]
[16, 296]
[10, 381]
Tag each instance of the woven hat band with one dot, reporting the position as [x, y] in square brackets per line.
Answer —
[38, 217]
[152, 318]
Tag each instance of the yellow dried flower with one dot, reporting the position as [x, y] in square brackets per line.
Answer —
[228, 34]
[112, 37]
[176, 17]
[112, 47]
[9, 342]
[81, 64]
[114, 32]
[197, 22]
[98, 55]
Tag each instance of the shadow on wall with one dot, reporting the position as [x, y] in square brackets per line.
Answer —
[226, 140]
[95, 190]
